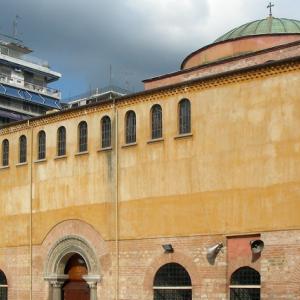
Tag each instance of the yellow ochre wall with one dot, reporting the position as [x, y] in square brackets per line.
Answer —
[238, 171]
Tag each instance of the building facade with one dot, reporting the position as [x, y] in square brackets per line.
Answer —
[24, 79]
[187, 190]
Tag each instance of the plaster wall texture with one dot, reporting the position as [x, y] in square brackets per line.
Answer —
[242, 154]
[236, 173]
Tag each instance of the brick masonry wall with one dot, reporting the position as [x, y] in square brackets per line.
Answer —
[139, 260]
[280, 265]
[15, 263]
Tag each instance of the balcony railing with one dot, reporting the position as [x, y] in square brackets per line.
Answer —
[98, 92]
[44, 90]
[28, 58]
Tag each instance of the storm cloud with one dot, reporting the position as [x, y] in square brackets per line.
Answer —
[138, 38]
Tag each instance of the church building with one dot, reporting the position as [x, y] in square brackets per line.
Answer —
[188, 190]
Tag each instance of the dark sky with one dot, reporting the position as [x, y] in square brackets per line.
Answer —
[138, 38]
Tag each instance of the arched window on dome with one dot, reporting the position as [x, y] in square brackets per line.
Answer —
[130, 130]
[156, 122]
[105, 132]
[184, 118]
[42, 145]
[245, 284]
[172, 281]
[5, 153]
[3, 286]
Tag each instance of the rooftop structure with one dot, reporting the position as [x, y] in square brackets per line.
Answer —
[95, 95]
[23, 82]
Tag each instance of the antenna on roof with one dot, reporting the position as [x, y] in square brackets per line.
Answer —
[270, 7]
[110, 75]
[15, 26]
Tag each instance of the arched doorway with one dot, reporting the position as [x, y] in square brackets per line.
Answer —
[172, 281]
[72, 269]
[76, 288]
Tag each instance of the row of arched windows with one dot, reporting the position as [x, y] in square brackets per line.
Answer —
[184, 127]
[172, 281]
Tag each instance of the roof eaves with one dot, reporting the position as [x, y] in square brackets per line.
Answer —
[167, 87]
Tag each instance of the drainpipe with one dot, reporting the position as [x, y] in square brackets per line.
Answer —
[30, 195]
[116, 200]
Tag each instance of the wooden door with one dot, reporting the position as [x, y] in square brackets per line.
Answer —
[76, 290]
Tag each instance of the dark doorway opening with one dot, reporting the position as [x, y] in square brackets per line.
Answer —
[76, 287]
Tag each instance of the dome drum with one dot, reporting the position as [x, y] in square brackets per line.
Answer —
[250, 37]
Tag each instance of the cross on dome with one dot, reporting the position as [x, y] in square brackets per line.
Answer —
[270, 7]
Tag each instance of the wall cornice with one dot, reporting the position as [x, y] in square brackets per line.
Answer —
[242, 75]
[210, 82]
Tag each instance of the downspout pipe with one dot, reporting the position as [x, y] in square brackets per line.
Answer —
[30, 201]
[117, 246]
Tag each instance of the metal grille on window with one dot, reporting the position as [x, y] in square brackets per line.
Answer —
[106, 132]
[42, 145]
[82, 130]
[172, 281]
[130, 127]
[23, 149]
[245, 284]
[3, 286]
[184, 116]
[61, 141]
[5, 154]
[156, 115]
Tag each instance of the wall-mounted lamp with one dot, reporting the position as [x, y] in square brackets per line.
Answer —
[168, 248]
[257, 246]
[213, 251]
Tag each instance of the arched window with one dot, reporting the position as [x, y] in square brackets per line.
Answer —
[5, 153]
[184, 116]
[42, 145]
[105, 132]
[130, 135]
[172, 281]
[82, 136]
[245, 284]
[3, 286]
[22, 149]
[156, 122]
[61, 141]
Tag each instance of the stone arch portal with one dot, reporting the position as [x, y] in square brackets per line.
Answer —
[58, 257]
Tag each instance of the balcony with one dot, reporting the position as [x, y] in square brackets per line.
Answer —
[19, 83]
[15, 54]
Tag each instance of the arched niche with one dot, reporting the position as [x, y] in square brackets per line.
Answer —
[57, 259]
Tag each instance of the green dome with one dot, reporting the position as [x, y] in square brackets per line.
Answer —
[269, 25]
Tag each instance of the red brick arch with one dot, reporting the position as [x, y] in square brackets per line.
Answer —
[163, 259]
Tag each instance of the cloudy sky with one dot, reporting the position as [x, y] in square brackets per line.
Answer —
[138, 38]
